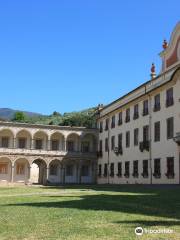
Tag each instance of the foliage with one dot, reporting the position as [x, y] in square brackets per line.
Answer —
[19, 116]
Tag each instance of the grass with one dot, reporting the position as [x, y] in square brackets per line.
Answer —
[88, 212]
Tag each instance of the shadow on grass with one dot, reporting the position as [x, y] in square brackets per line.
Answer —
[150, 223]
[158, 203]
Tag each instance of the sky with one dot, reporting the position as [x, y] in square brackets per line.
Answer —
[67, 55]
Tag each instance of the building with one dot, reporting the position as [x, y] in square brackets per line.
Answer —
[47, 154]
[139, 133]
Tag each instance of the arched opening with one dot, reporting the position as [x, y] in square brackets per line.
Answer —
[21, 170]
[72, 143]
[39, 171]
[40, 140]
[5, 169]
[23, 139]
[55, 172]
[57, 141]
[6, 138]
[88, 143]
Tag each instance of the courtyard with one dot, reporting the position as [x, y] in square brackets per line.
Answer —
[88, 212]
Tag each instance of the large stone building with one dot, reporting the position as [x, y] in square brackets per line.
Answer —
[47, 154]
[139, 139]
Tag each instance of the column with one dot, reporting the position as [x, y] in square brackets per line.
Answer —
[65, 144]
[47, 174]
[32, 143]
[29, 177]
[12, 173]
[49, 145]
[14, 143]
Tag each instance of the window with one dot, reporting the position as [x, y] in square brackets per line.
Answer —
[69, 170]
[135, 168]
[101, 127]
[5, 142]
[157, 168]
[22, 142]
[112, 170]
[70, 146]
[55, 145]
[157, 104]
[20, 169]
[105, 170]
[53, 169]
[145, 108]
[146, 133]
[3, 168]
[39, 144]
[170, 128]
[120, 140]
[99, 170]
[169, 97]
[136, 112]
[112, 142]
[126, 169]
[100, 145]
[128, 139]
[145, 168]
[120, 118]
[85, 171]
[106, 145]
[107, 124]
[113, 122]
[136, 137]
[127, 115]
[170, 167]
[85, 147]
[119, 169]
[157, 131]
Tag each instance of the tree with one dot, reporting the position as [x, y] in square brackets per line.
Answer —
[56, 113]
[19, 116]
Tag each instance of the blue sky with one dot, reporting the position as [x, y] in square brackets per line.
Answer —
[71, 55]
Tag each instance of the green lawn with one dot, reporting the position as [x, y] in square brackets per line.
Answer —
[88, 212]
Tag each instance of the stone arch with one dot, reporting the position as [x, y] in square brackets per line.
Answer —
[55, 171]
[6, 138]
[57, 141]
[21, 170]
[23, 139]
[5, 169]
[88, 142]
[39, 171]
[73, 142]
[40, 140]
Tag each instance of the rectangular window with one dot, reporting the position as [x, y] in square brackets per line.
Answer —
[105, 170]
[120, 118]
[157, 104]
[99, 170]
[170, 167]
[145, 108]
[128, 139]
[20, 169]
[55, 145]
[126, 169]
[146, 133]
[3, 168]
[85, 147]
[170, 128]
[157, 131]
[53, 169]
[157, 168]
[136, 112]
[106, 145]
[119, 169]
[169, 97]
[145, 168]
[101, 127]
[107, 124]
[70, 146]
[136, 137]
[120, 140]
[5, 142]
[39, 144]
[69, 170]
[112, 143]
[113, 121]
[127, 115]
[85, 171]
[112, 170]
[135, 169]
